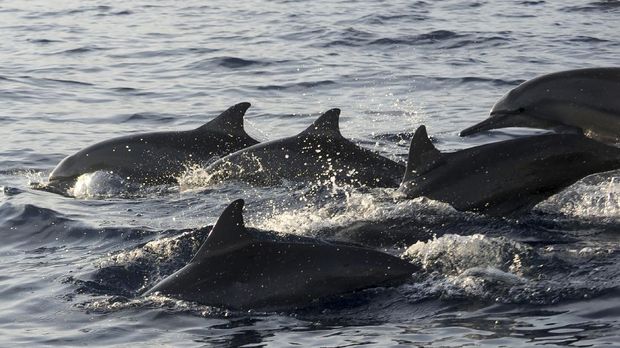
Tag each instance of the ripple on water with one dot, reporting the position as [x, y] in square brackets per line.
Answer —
[602, 6]
[44, 41]
[146, 117]
[227, 62]
[297, 86]
[421, 39]
[80, 50]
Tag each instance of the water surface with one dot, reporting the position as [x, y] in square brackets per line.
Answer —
[77, 72]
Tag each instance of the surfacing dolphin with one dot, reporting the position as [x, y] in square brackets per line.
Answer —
[158, 157]
[503, 178]
[584, 101]
[318, 154]
[241, 268]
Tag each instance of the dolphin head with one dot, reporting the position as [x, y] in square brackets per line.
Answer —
[574, 101]
[519, 107]
[67, 170]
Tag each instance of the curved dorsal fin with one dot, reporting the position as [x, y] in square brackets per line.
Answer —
[228, 232]
[423, 156]
[325, 125]
[229, 121]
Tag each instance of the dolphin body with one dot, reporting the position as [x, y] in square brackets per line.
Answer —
[584, 101]
[239, 268]
[503, 178]
[159, 157]
[319, 153]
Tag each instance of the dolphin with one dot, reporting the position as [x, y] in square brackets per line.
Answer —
[503, 178]
[318, 154]
[159, 157]
[241, 268]
[580, 101]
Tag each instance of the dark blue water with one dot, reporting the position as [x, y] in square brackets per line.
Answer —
[74, 73]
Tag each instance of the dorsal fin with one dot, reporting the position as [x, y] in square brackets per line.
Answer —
[325, 125]
[228, 232]
[423, 156]
[229, 121]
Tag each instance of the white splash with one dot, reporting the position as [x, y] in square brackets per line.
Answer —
[99, 184]
[197, 177]
[105, 305]
[597, 197]
[473, 266]
[194, 177]
[35, 178]
[455, 255]
[376, 205]
[158, 251]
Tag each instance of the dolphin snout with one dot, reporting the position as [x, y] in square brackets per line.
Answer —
[498, 119]
[489, 123]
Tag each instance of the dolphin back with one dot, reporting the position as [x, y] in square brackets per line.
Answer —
[158, 157]
[241, 270]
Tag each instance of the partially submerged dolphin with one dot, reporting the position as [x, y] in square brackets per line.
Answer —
[158, 157]
[319, 153]
[583, 100]
[507, 177]
[241, 268]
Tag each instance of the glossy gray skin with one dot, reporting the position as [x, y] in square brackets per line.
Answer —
[504, 178]
[318, 154]
[159, 157]
[580, 101]
[237, 268]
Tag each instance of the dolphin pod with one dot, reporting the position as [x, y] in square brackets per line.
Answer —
[507, 177]
[158, 157]
[241, 268]
[319, 153]
[584, 100]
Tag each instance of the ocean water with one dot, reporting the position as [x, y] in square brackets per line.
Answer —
[77, 72]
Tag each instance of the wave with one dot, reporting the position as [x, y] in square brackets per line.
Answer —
[149, 117]
[297, 85]
[234, 62]
[69, 82]
[44, 41]
[80, 50]
[602, 6]
[130, 91]
[442, 38]
[160, 53]
[479, 79]
[382, 19]
[588, 39]
[229, 63]
[30, 226]
[39, 81]
[99, 10]
[421, 39]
